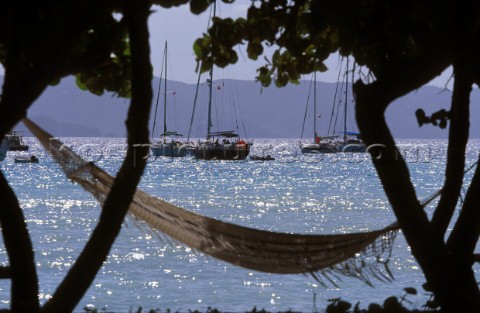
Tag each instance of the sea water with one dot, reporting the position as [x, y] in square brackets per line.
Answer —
[314, 194]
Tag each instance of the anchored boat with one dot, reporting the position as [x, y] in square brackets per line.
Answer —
[168, 145]
[15, 140]
[219, 145]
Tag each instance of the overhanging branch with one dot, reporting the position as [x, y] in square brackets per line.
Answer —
[465, 233]
[407, 76]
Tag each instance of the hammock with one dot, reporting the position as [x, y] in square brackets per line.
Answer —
[356, 255]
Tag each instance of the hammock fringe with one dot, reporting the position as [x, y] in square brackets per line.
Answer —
[355, 255]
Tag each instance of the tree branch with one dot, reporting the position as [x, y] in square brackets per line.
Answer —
[465, 233]
[371, 103]
[390, 165]
[407, 76]
[458, 138]
[82, 274]
[24, 293]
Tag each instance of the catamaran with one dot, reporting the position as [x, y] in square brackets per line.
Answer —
[15, 139]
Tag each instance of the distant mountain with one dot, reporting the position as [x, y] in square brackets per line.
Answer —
[65, 110]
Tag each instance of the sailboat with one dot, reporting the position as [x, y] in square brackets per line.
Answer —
[15, 139]
[169, 145]
[320, 144]
[219, 145]
[352, 141]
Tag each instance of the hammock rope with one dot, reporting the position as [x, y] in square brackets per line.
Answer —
[356, 255]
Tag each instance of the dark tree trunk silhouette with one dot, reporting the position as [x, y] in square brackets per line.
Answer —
[24, 290]
[23, 84]
[448, 271]
[83, 272]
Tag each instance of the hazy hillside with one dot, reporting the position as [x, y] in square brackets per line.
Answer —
[64, 110]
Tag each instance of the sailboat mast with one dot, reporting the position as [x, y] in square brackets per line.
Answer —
[346, 105]
[165, 96]
[209, 127]
[314, 107]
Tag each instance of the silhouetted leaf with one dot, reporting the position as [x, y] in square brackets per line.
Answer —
[410, 290]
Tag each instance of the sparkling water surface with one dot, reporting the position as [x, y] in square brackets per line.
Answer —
[318, 194]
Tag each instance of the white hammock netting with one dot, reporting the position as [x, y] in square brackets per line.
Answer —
[360, 255]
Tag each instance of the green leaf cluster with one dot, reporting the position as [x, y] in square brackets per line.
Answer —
[303, 34]
[114, 72]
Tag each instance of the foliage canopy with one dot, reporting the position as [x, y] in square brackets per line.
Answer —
[377, 33]
[403, 45]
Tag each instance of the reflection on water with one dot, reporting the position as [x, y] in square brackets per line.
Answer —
[335, 193]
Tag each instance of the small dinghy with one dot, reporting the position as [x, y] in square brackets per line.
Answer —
[26, 159]
[262, 158]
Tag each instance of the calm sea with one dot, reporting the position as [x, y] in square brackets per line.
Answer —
[313, 195]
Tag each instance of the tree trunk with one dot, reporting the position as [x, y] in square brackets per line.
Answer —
[428, 249]
[24, 291]
[457, 143]
[82, 274]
